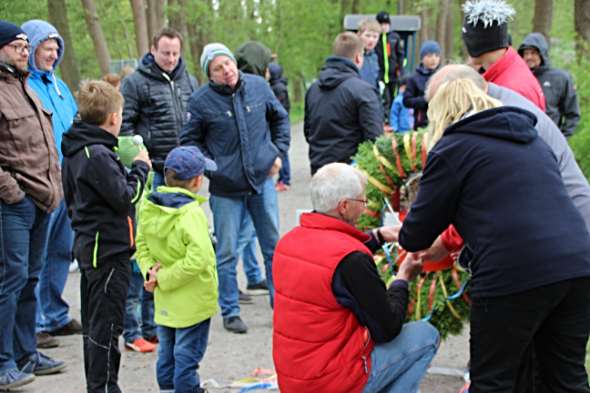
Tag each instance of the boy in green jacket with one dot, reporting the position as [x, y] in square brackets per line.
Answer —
[175, 254]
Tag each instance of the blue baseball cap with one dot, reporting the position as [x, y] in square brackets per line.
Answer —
[188, 162]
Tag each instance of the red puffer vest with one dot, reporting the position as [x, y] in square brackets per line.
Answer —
[318, 345]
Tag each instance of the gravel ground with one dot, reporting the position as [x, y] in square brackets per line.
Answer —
[229, 357]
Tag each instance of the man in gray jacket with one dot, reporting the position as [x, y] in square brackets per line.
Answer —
[561, 97]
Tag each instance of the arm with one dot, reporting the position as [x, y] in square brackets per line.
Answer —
[131, 108]
[194, 130]
[570, 109]
[370, 115]
[411, 97]
[142, 255]
[278, 122]
[306, 119]
[401, 56]
[394, 116]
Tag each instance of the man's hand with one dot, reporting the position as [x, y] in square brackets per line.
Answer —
[436, 252]
[411, 267]
[150, 285]
[143, 156]
[276, 167]
[389, 233]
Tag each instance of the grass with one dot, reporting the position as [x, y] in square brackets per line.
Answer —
[297, 112]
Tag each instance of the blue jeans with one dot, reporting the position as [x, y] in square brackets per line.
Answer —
[400, 365]
[228, 218]
[158, 180]
[247, 248]
[23, 236]
[52, 309]
[135, 295]
[179, 355]
[285, 172]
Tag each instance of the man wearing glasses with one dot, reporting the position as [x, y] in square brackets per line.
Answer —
[30, 189]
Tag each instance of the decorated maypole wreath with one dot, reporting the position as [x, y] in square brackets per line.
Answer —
[393, 168]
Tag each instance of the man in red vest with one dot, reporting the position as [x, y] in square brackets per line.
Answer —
[337, 328]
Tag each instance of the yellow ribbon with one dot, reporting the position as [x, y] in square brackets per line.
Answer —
[444, 289]
[382, 159]
[407, 146]
[382, 187]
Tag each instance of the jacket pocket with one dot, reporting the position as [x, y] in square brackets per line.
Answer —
[23, 126]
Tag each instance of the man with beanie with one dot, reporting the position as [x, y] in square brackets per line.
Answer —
[236, 120]
[414, 94]
[47, 50]
[391, 54]
[485, 33]
[561, 97]
[341, 109]
[30, 189]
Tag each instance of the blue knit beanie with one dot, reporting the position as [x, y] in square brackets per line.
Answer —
[429, 47]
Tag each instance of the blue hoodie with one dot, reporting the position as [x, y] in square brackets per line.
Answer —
[52, 91]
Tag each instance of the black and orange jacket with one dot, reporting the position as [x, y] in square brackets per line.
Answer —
[100, 194]
[391, 54]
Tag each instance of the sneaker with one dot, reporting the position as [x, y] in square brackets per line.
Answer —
[45, 340]
[258, 289]
[282, 187]
[74, 266]
[235, 325]
[40, 364]
[72, 327]
[153, 340]
[14, 379]
[140, 345]
[245, 299]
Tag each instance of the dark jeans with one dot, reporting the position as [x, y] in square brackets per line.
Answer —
[103, 292]
[285, 172]
[388, 96]
[23, 236]
[179, 355]
[554, 319]
[132, 316]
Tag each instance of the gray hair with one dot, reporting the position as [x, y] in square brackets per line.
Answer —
[459, 71]
[333, 183]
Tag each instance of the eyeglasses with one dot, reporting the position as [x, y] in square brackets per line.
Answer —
[20, 49]
[363, 201]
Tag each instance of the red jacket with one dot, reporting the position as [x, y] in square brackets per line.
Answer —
[318, 345]
[511, 71]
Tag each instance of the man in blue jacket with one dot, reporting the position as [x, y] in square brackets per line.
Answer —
[47, 50]
[237, 121]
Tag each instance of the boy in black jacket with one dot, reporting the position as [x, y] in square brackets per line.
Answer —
[100, 195]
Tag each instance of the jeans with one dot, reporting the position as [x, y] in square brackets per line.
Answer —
[158, 180]
[228, 218]
[52, 309]
[285, 172]
[179, 354]
[23, 236]
[132, 316]
[554, 319]
[247, 248]
[400, 365]
[102, 301]
[388, 96]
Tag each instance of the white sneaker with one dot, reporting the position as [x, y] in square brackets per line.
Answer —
[74, 266]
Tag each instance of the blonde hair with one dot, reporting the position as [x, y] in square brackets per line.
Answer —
[97, 100]
[112, 79]
[451, 102]
[370, 25]
[348, 45]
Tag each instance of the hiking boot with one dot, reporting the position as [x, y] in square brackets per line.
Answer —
[72, 327]
[235, 325]
[258, 289]
[245, 299]
[14, 379]
[40, 364]
[46, 340]
[282, 187]
[140, 345]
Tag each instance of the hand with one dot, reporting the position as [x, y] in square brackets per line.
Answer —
[411, 267]
[436, 252]
[276, 167]
[389, 233]
[143, 156]
[151, 284]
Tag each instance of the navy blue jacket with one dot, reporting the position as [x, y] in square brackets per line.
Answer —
[499, 183]
[414, 95]
[243, 132]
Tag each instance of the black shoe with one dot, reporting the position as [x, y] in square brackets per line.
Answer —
[14, 379]
[45, 340]
[245, 299]
[72, 327]
[258, 289]
[235, 325]
[40, 364]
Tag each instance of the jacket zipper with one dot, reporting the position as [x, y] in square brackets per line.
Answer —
[365, 347]
[175, 103]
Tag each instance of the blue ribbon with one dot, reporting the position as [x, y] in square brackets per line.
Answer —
[264, 385]
[452, 297]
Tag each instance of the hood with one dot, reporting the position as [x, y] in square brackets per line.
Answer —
[39, 31]
[148, 66]
[507, 122]
[337, 70]
[253, 58]
[276, 71]
[536, 40]
[164, 207]
[421, 69]
[82, 134]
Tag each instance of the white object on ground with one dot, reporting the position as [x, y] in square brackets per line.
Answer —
[453, 372]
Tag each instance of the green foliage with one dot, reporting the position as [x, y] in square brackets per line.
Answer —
[297, 112]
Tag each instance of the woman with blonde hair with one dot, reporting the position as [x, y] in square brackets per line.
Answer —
[527, 245]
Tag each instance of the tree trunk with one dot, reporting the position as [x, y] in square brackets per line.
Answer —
[141, 36]
[582, 26]
[297, 90]
[58, 17]
[463, 47]
[450, 33]
[100, 44]
[355, 6]
[542, 18]
[177, 21]
[151, 19]
[160, 17]
[441, 28]
[345, 4]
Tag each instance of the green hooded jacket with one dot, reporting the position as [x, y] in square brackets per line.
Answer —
[173, 230]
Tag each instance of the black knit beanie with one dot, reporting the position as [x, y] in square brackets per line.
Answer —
[10, 32]
[383, 17]
[485, 27]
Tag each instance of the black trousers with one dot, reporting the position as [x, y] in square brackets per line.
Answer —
[554, 320]
[389, 94]
[103, 293]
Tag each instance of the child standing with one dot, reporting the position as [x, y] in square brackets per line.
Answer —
[369, 31]
[414, 95]
[401, 118]
[176, 256]
[100, 193]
